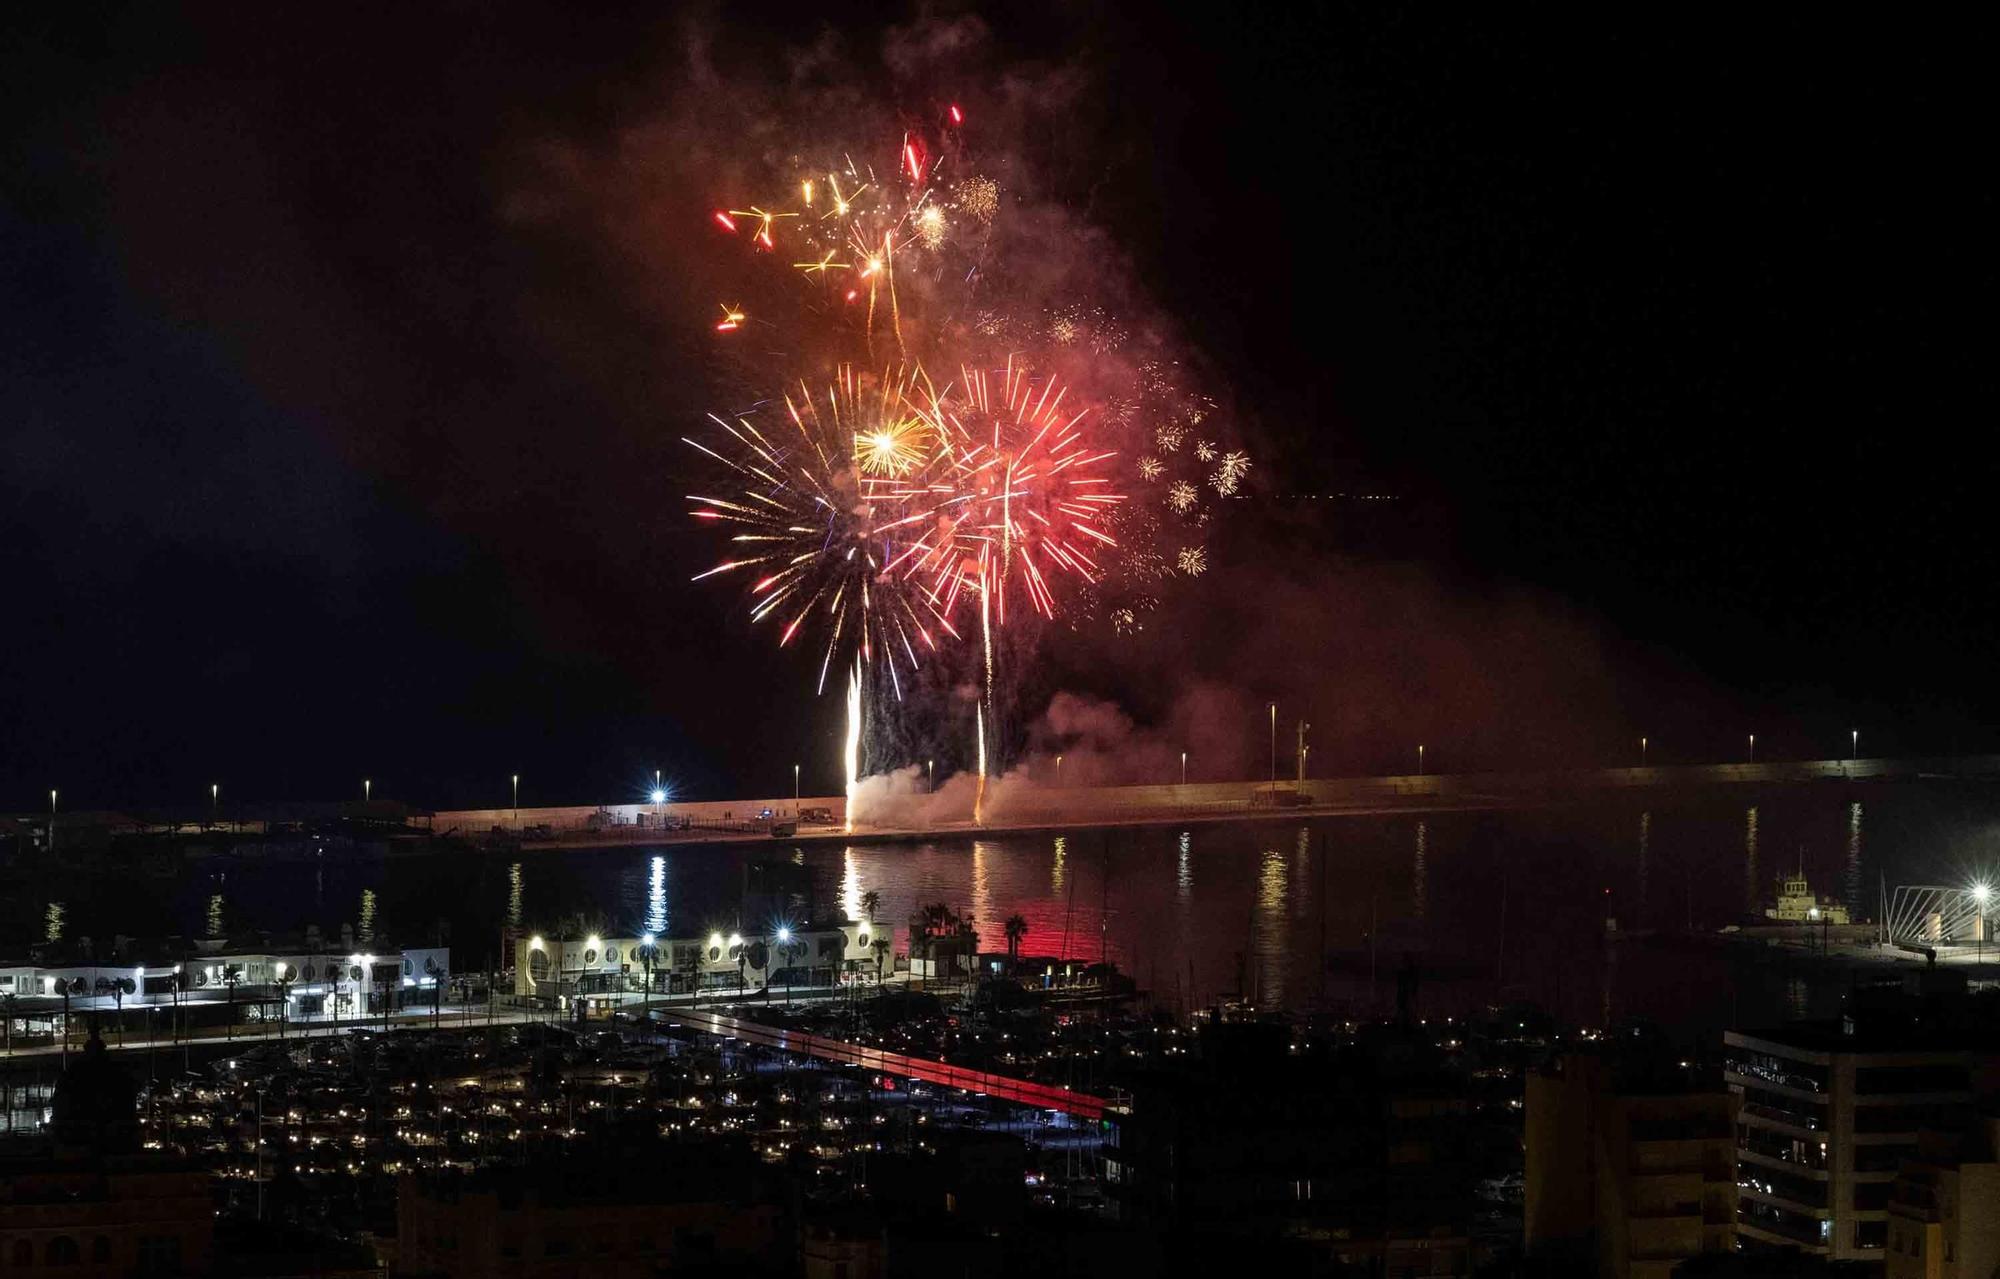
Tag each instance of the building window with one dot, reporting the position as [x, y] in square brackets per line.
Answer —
[1870, 1234]
[24, 1254]
[354, 973]
[408, 968]
[63, 1251]
[610, 954]
[714, 953]
[589, 956]
[100, 1249]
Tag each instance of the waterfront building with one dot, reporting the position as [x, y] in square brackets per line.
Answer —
[1631, 1168]
[1944, 1205]
[809, 954]
[1829, 1111]
[135, 988]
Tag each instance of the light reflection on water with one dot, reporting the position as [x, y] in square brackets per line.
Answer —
[1852, 887]
[1753, 888]
[1270, 943]
[1420, 875]
[1645, 860]
[656, 895]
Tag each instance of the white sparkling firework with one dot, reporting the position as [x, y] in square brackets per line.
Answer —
[1228, 475]
[1169, 436]
[931, 227]
[979, 198]
[1182, 497]
[1193, 561]
[1204, 451]
[1150, 468]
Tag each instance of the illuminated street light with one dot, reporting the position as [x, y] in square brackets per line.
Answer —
[930, 772]
[795, 786]
[214, 802]
[1753, 748]
[1982, 893]
[1853, 744]
[784, 936]
[1183, 768]
[659, 797]
[517, 799]
[1642, 752]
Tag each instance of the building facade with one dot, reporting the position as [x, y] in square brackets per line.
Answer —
[1944, 1205]
[1827, 1115]
[809, 955]
[1634, 1175]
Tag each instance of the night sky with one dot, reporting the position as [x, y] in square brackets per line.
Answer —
[1671, 337]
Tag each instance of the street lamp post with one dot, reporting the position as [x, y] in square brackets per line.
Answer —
[517, 799]
[1058, 772]
[930, 773]
[1753, 748]
[52, 819]
[1420, 759]
[795, 788]
[1853, 744]
[1183, 768]
[1642, 752]
[214, 803]
[1274, 752]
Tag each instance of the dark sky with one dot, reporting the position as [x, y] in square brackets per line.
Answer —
[318, 465]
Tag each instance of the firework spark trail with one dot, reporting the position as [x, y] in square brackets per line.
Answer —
[852, 755]
[979, 795]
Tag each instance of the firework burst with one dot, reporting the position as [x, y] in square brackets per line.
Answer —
[828, 499]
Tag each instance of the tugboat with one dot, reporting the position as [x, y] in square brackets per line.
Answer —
[1797, 905]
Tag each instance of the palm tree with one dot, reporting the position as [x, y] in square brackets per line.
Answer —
[648, 952]
[871, 901]
[121, 987]
[437, 976]
[286, 975]
[232, 975]
[1017, 928]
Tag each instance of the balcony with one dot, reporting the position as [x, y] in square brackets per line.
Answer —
[1778, 1162]
[1804, 1087]
[1782, 1234]
[1788, 1119]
